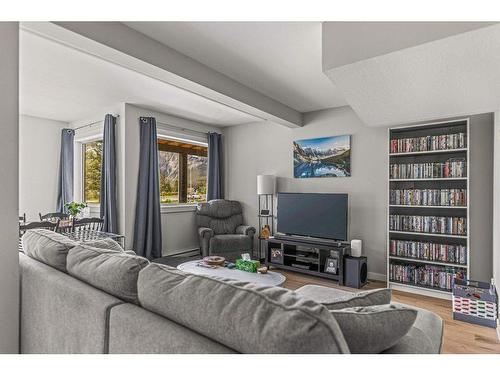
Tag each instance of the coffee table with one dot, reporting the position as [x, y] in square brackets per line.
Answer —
[269, 279]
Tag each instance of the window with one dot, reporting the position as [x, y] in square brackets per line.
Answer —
[92, 154]
[183, 171]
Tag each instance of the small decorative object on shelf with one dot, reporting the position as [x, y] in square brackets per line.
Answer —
[265, 232]
[277, 256]
[264, 212]
[475, 302]
[331, 265]
[247, 265]
[214, 260]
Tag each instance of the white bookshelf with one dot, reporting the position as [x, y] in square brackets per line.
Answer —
[420, 130]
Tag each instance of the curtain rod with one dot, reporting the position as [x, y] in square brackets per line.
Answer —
[174, 127]
[92, 123]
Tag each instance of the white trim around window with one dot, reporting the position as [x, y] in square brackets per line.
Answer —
[78, 164]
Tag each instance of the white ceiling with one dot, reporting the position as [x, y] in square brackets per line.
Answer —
[454, 76]
[279, 59]
[61, 83]
[348, 42]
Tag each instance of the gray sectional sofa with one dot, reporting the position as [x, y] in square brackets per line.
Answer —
[96, 298]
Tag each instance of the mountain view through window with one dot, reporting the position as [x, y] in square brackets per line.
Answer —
[183, 172]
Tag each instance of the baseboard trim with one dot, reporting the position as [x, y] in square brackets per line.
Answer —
[377, 276]
[187, 252]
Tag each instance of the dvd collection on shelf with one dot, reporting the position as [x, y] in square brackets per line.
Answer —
[429, 251]
[429, 143]
[435, 207]
[452, 168]
[429, 197]
[429, 224]
[425, 275]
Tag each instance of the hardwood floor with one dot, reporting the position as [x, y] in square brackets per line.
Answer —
[459, 337]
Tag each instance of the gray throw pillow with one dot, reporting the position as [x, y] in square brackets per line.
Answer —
[47, 247]
[368, 298]
[106, 243]
[113, 272]
[373, 329]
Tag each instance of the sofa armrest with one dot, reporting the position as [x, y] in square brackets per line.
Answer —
[205, 233]
[247, 230]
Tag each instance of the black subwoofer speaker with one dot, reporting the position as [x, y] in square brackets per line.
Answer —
[355, 271]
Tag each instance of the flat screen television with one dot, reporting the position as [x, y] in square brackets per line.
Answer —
[313, 215]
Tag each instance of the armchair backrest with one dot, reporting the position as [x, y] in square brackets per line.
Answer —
[220, 215]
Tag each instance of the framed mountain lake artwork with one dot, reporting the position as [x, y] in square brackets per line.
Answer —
[322, 157]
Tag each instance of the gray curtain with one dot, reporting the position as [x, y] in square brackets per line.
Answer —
[65, 182]
[215, 160]
[147, 229]
[108, 177]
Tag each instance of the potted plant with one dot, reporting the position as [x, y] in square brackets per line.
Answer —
[75, 208]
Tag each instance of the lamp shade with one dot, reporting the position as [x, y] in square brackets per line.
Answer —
[266, 184]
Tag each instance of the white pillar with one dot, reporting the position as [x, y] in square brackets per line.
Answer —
[9, 183]
[496, 202]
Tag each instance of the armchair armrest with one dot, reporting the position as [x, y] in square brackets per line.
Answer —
[247, 230]
[204, 232]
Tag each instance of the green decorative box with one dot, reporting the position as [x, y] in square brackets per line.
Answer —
[247, 265]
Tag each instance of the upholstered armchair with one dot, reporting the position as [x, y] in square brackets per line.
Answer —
[221, 230]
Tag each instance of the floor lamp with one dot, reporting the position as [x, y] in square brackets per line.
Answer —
[266, 188]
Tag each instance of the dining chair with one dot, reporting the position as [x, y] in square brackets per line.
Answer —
[64, 226]
[53, 216]
[34, 225]
[88, 223]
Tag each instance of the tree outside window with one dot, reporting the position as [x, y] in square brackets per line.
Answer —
[92, 155]
[183, 172]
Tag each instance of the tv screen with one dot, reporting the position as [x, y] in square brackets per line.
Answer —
[313, 215]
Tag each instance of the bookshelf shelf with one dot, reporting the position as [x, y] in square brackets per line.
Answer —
[450, 151]
[422, 206]
[417, 260]
[427, 234]
[429, 179]
[443, 293]
[454, 135]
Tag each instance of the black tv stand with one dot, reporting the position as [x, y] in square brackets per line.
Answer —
[308, 256]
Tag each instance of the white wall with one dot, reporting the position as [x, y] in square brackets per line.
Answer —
[9, 266]
[39, 150]
[178, 221]
[266, 148]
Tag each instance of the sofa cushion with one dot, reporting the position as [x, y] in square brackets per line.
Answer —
[60, 314]
[339, 299]
[373, 329]
[48, 247]
[424, 337]
[106, 243]
[245, 317]
[113, 272]
[134, 330]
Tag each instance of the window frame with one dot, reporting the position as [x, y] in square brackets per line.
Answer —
[79, 168]
[83, 156]
[181, 206]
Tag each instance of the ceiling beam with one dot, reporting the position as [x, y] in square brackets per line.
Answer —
[137, 51]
